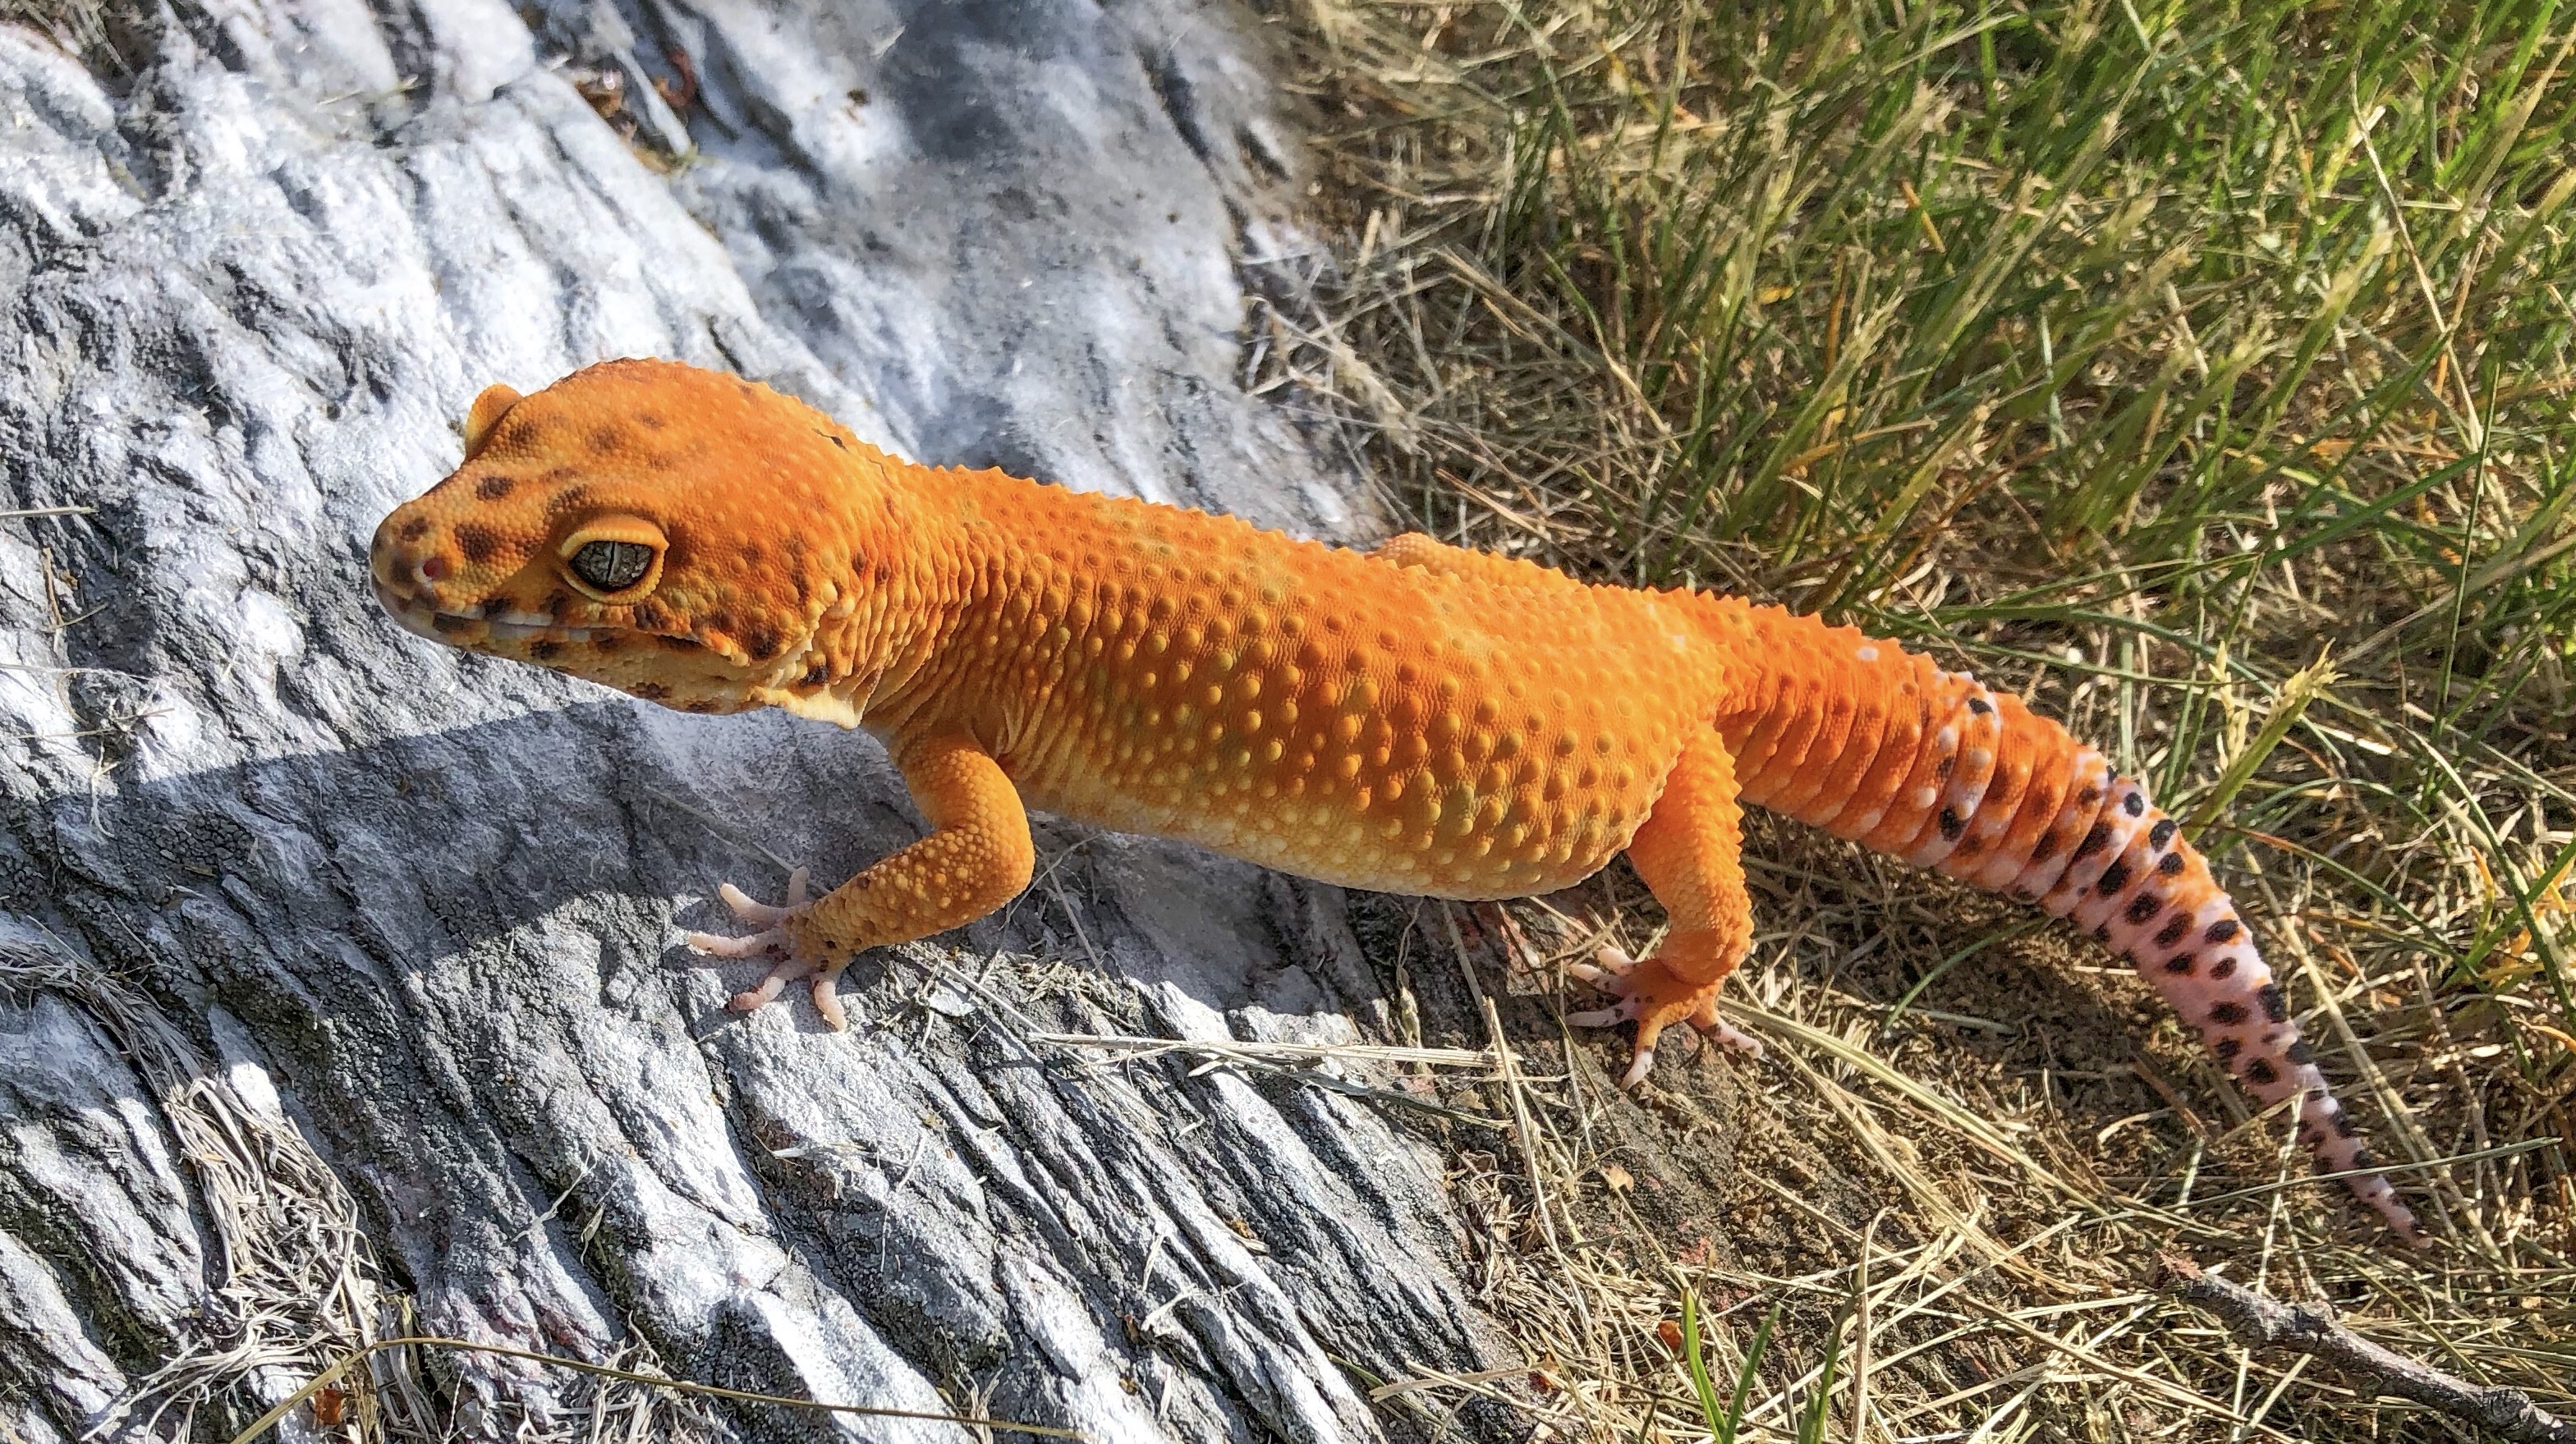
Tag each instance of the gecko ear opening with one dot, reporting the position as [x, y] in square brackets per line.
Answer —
[489, 407]
[615, 559]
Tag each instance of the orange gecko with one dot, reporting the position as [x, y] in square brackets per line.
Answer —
[1416, 719]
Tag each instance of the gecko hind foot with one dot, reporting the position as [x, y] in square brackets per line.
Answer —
[773, 941]
[1649, 996]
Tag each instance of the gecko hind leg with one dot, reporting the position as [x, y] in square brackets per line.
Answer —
[1688, 854]
[772, 942]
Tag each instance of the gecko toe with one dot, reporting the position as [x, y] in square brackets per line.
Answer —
[1603, 1017]
[827, 1001]
[754, 945]
[761, 914]
[1733, 1039]
[1638, 1068]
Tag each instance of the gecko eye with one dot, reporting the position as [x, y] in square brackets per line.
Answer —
[614, 559]
[612, 566]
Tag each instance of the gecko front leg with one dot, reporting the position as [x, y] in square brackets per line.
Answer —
[977, 857]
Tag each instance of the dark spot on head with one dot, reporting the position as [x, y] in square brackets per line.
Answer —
[2093, 841]
[2114, 878]
[2344, 1127]
[607, 642]
[652, 616]
[606, 439]
[817, 675]
[2224, 967]
[700, 705]
[2042, 850]
[495, 486]
[2135, 804]
[2142, 907]
[2174, 930]
[479, 543]
[2161, 833]
[2276, 1006]
[415, 529]
[1951, 826]
[2300, 1052]
[2227, 1049]
[2261, 1071]
[1980, 706]
[650, 420]
[761, 641]
[556, 603]
[444, 622]
[650, 691]
[2171, 864]
[2178, 963]
[2221, 930]
[2227, 1014]
[751, 555]
[544, 651]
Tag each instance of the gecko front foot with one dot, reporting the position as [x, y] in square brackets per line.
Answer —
[1652, 998]
[778, 938]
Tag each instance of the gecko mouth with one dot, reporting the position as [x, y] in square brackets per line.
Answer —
[421, 619]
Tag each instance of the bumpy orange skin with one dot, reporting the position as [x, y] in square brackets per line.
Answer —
[1420, 719]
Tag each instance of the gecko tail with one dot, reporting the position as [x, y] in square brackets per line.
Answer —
[1879, 745]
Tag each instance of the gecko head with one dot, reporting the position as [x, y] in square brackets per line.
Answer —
[688, 537]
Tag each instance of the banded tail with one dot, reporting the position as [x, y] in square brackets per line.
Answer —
[1880, 746]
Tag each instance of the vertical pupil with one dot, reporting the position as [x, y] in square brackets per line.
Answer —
[613, 566]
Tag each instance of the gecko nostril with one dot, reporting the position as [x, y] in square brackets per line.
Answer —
[433, 569]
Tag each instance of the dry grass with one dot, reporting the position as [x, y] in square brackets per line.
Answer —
[2138, 358]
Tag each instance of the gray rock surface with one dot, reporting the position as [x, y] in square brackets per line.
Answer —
[315, 929]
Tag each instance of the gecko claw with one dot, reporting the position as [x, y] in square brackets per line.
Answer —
[774, 940]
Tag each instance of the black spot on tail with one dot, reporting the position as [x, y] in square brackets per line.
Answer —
[2135, 804]
[2224, 967]
[2221, 930]
[2344, 1127]
[2161, 833]
[2044, 849]
[2228, 1048]
[1951, 826]
[2146, 905]
[2299, 1052]
[1980, 706]
[2174, 930]
[2093, 841]
[2178, 963]
[2276, 1006]
[2227, 1014]
[2170, 864]
[2261, 1070]
[2114, 878]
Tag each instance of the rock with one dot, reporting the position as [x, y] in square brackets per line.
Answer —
[344, 967]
